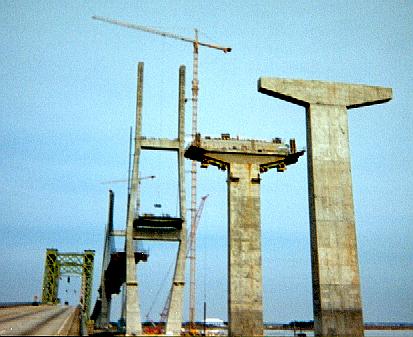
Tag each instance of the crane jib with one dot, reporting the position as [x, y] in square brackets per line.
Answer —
[161, 33]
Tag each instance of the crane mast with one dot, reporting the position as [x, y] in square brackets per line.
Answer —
[193, 185]
[192, 258]
[195, 89]
[191, 254]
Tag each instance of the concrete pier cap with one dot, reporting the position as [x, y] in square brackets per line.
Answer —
[305, 92]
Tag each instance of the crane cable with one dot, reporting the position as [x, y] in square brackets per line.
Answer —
[159, 289]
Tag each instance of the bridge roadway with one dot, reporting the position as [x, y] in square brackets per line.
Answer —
[43, 320]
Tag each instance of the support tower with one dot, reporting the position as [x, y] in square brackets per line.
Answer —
[160, 228]
[244, 160]
[113, 273]
[335, 273]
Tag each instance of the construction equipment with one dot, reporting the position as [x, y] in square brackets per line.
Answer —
[118, 181]
[191, 253]
[192, 258]
[195, 89]
[161, 33]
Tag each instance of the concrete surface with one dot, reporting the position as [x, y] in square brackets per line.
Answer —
[174, 312]
[244, 160]
[335, 272]
[37, 320]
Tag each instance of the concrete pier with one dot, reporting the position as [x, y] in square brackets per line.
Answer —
[335, 272]
[159, 228]
[103, 318]
[244, 251]
[244, 160]
[132, 311]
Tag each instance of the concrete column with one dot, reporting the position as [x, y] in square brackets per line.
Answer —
[132, 313]
[244, 251]
[102, 320]
[336, 282]
[174, 319]
[244, 160]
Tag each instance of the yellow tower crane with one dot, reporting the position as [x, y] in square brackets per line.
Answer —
[195, 88]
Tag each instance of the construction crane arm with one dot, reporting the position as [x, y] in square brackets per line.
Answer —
[196, 223]
[124, 180]
[161, 33]
[199, 211]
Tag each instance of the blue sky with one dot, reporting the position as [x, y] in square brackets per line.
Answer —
[68, 99]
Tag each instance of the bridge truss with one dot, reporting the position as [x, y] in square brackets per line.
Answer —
[59, 264]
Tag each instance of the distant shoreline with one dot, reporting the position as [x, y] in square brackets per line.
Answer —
[388, 327]
[366, 327]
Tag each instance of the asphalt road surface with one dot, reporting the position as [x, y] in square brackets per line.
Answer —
[36, 320]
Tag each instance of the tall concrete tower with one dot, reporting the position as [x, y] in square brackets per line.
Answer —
[335, 272]
[160, 228]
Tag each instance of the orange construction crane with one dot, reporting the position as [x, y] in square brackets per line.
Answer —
[195, 89]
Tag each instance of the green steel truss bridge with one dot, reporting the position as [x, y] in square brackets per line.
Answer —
[58, 264]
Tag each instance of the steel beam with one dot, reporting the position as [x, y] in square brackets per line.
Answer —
[58, 264]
